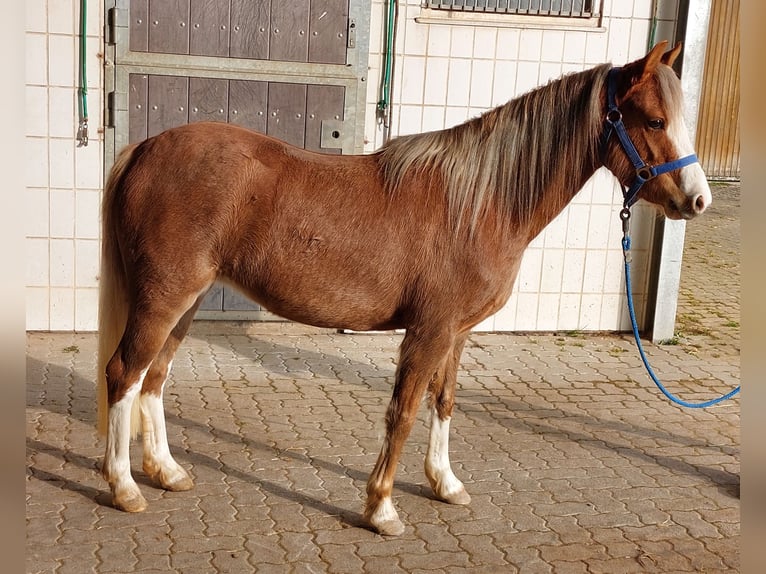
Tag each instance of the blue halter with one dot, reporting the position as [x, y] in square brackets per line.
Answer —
[644, 172]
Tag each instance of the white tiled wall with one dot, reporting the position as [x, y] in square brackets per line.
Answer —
[571, 275]
[63, 180]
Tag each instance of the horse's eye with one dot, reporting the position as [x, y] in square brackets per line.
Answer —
[656, 124]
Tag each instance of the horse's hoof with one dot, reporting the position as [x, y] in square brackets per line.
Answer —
[130, 503]
[460, 497]
[178, 483]
[389, 528]
[173, 479]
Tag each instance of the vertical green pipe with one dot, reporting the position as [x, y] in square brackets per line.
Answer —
[384, 104]
[82, 129]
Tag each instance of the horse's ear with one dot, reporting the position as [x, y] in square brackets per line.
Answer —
[669, 57]
[640, 70]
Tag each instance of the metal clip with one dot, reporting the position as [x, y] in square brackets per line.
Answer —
[82, 133]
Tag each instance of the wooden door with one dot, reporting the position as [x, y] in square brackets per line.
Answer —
[293, 70]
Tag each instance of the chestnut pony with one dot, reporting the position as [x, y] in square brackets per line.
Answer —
[426, 235]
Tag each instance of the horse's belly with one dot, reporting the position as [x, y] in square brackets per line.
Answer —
[324, 297]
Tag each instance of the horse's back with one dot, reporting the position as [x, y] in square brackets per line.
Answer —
[312, 237]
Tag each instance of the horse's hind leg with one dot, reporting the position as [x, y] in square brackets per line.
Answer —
[146, 334]
[158, 463]
[444, 483]
[421, 359]
[125, 374]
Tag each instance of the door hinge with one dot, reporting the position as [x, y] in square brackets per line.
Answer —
[116, 103]
[116, 19]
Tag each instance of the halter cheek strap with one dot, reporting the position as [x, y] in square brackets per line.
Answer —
[614, 125]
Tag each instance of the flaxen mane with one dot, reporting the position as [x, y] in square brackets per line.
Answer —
[505, 155]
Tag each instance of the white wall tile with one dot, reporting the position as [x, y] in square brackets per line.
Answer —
[88, 161]
[37, 256]
[87, 214]
[36, 17]
[573, 271]
[482, 73]
[61, 18]
[639, 32]
[569, 312]
[504, 86]
[36, 111]
[86, 309]
[36, 59]
[526, 311]
[548, 312]
[527, 74]
[642, 9]
[61, 112]
[590, 312]
[598, 233]
[86, 262]
[596, 49]
[37, 206]
[618, 44]
[454, 115]
[62, 309]
[415, 38]
[37, 309]
[551, 271]
[461, 45]
[595, 266]
[621, 9]
[62, 162]
[439, 41]
[413, 75]
[574, 47]
[433, 118]
[577, 226]
[62, 266]
[530, 271]
[436, 77]
[459, 87]
[552, 48]
[531, 45]
[484, 43]
[410, 119]
[62, 213]
[555, 234]
[61, 60]
[508, 43]
[36, 162]
[548, 71]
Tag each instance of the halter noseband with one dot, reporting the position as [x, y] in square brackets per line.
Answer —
[644, 172]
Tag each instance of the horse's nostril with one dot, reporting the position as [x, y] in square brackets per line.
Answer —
[699, 204]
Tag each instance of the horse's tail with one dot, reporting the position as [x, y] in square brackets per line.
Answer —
[113, 297]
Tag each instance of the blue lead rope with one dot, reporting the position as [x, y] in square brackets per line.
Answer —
[624, 215]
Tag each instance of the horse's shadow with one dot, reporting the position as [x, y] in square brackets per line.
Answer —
[83, 409]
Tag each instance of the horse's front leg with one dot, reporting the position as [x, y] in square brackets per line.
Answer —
[421, 358]
[444, 483]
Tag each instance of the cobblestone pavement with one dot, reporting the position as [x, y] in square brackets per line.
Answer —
[574, 462]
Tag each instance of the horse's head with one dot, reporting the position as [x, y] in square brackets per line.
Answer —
[644, 105]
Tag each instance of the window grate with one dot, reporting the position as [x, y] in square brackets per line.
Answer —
[558, 8]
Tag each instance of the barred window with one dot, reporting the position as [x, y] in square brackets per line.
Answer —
[558, 8]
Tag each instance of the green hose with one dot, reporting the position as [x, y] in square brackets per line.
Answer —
[385, 88]
[82, 99]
